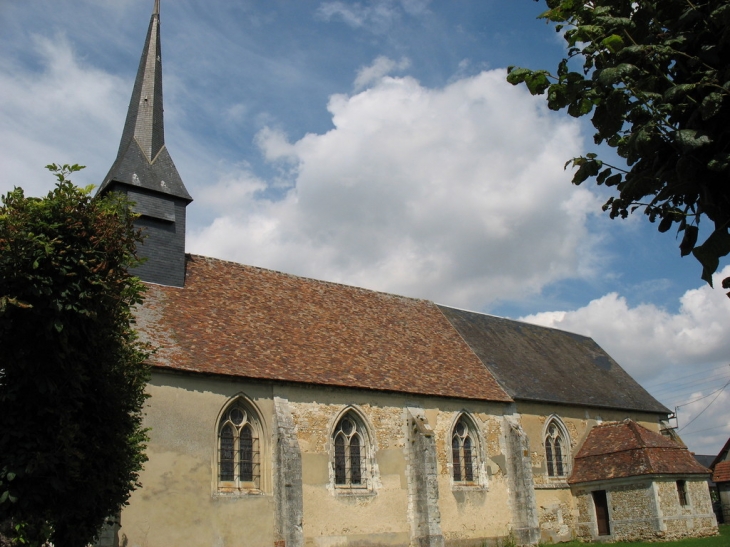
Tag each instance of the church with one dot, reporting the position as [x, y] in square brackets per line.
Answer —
[289, 412]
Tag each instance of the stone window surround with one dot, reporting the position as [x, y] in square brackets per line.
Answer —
[236, 488]
[369, 470]
[557, 481]
[480, 481]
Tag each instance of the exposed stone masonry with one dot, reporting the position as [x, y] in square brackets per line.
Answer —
[287, 480]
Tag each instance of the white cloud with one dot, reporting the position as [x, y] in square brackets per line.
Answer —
[646, 338]
[382, 66]
[670, 352]
[703, 424]
[57, 115]
[456, 194]
[376, 16]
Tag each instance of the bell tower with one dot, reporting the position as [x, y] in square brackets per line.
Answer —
[145, 172]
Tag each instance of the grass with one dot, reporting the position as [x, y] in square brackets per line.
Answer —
[723, 540]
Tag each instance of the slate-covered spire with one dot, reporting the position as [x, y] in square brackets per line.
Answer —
[144, 117]
[145, 171]
[142, 159]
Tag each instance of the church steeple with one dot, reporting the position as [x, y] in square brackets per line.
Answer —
[145, 171]
[144, 117]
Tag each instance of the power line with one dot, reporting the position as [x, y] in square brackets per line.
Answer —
[708, 405]
[703, 430]
[700, 398]
[687, 376]
[684, 386]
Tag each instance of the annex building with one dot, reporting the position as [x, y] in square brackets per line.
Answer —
[290, 412]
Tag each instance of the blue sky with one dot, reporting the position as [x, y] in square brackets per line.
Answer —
[375, 144]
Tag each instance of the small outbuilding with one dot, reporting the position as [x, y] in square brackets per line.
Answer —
[633, 484]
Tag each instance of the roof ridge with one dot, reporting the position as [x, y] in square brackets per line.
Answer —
[522, 322]
[314, 279]
[633, 427]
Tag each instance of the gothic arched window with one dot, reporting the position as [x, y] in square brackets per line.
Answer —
[557, 446]
[464, 452]
[238, 449]
[350, 452]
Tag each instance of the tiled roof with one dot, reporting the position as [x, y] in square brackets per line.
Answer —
[248, 322]
[721, 472]
[617, 450]
[548, 365]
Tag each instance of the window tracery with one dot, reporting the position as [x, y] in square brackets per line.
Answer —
[556, 449]
[463, 452]
[350, 452]
[238, 450]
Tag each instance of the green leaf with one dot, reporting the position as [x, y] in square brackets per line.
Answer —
[580, 108]
[676, 92]
[688, 140]
[711, 105]
[537, 82]
[710, 252]
[557, 97]
[689, 240]
[665, 224]
[586, 168]
[721, 15]
[719, 163]
[517, 75]
[612, 75]
[613, 43]
[614, 180]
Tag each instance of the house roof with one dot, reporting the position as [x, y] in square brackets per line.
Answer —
[617, 450]
[723, 455]
[721, 472]
[704, 459]
[548, 365]
[243, 321]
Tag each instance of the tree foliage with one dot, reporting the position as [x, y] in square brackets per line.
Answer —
[655, 77]
[72, 373]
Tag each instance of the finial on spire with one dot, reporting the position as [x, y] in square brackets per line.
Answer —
[156, 11]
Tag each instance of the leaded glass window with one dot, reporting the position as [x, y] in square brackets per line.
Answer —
[556, 457]
[238, 456]
[463, 455]
[350, 452]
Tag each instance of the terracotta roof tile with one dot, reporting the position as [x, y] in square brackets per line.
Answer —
[722, 472]
[243, 321]
[626, 449]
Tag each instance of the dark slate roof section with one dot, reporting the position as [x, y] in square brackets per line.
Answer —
[616, 450]
[248, 322]
[704, 460]
[548, 365]
[143, 159]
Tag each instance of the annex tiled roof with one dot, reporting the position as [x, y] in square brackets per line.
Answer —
[548, 365]
[617, 450]
[721, 472]
[243, 321]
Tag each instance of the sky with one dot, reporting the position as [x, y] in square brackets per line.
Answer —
[377, 144]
